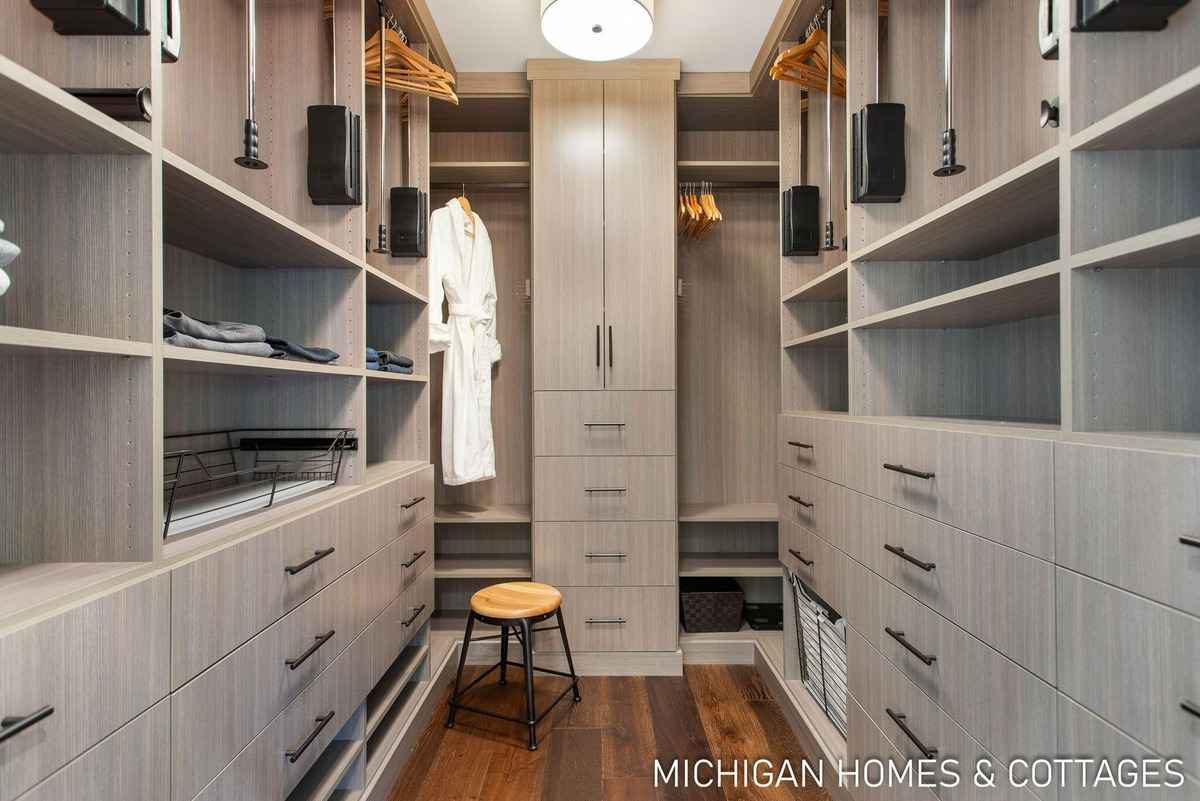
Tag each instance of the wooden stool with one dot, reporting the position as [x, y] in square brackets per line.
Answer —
[516, 607]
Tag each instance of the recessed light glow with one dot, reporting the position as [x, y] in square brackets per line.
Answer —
[597, 30]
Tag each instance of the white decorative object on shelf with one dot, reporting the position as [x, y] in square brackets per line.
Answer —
[8, 252]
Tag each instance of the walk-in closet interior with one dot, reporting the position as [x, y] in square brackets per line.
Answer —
[844, 345]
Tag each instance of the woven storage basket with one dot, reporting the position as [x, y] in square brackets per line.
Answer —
[710, 604]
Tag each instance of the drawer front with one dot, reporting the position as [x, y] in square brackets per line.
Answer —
[842, 451]
[1083, 734]
[98, 665]
[418, 605]
[997, 487]
[220, 711]
[803, 501]
[415, 500]
[603, 423]
[879, 687]
[864, 741]
[617, 619]
[1133, 662]
[1130, 518]
[605, 554]
[579, 489]
[417, 547]
[262, 771]
[970, 681]
[224, 599]
[131, 765]
[799, 552]
[1000, 595]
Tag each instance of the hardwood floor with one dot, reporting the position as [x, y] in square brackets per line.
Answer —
[604, 748]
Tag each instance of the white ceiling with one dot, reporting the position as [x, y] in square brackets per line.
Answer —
[708, 35]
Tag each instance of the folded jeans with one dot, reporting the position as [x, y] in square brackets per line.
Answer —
[312, 354]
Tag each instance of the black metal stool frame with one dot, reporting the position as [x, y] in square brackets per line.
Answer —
[522, 629]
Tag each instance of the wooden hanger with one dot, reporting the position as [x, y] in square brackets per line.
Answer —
[806, 64]
[465, 205]
[407, 70]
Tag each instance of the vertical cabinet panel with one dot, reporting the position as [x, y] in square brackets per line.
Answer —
[639, 234]
[567, 144]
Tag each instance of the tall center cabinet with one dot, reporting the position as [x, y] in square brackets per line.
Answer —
[604, 368]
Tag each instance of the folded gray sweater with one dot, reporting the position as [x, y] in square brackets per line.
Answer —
[212, 331]
[245, 348]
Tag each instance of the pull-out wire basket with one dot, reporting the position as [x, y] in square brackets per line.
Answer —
[209, 476]
[821, 640]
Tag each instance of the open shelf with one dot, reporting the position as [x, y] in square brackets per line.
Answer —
[1164, 118]
[38, 117]
[322, 779]
[753, 512]
[1018, 206]
[191, 360]
[381, 472]
[479, 566]
[830, 285]
[458, 514]
[1029, 293]
[728, 170]
[453, 172]
[393, 684]
[205, 215]
[393, 725]
[729, 564]
[1172, 245]
[835, 337]
[382, 288]
[17, 339]
[384, 376]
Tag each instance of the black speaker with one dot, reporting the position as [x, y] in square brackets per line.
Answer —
[410, 221]
[334, 156]
[95, 17]
[877, 152]
[801, 222]
[1125, 15]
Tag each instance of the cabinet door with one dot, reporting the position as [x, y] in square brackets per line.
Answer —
[567, 141]
[639, 234]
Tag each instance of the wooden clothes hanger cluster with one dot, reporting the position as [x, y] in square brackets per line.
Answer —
[407, 70]
[698, 210]
[807, 64]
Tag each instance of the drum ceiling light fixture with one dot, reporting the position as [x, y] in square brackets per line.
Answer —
[597, 30]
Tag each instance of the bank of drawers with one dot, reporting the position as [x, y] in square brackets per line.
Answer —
[98, 666]
[604, 423]
[605, 554]
[864, 742]
[223, 599]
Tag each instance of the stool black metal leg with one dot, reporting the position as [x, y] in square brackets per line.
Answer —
[531, 715]
[562, 628]
[462, 663]
[504, 654]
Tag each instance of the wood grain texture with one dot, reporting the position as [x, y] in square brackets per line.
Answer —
[561, 554]
[632, 69]
[567, 145]
[639, 227]
[604, 423]
[617, 619]
[638, 488]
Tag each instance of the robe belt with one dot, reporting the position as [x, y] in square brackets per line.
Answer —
[465, 310]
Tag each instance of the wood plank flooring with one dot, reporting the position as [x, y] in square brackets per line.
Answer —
[604, 748]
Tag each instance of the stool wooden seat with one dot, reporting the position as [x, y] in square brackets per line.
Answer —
[516, 599]
[516, 607]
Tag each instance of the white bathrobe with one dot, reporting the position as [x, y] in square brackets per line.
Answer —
[461, 272]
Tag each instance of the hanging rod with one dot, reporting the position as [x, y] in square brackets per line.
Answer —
[391, 21]
[818, 20]
[731, 184]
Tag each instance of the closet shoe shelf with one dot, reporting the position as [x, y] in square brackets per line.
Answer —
[754, 512]
[322, 780]
[392, 686]
[13, 339]
[38, 117]
[1018, 206]
[836, 336]
[1165, 118]
[500, 513]
[1167, 246]
[218, 363]
[1018, 296]
[830, 285]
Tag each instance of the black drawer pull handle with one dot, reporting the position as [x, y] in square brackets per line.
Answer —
[596, 621]
[295, 753]
[610, 347]
[292, 570]
[614, 555]
[800, 501]
[908, 471]
[1191, 707]
[899, 637]
[416, 614]
[800, 556]
[12, 726]
[412, 503]
[1195, 543]
[898, 719]
[416, 557]
[605, 489]
[603, 425]
[597, 346]
[907, 557]
[804, 446]
[318, 641]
